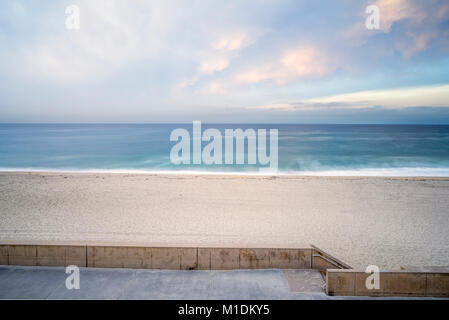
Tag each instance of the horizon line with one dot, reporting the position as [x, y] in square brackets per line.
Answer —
[221, 123]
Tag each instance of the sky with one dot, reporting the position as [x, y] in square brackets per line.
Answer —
[225, 61]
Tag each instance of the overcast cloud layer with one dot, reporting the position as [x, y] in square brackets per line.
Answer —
[225, 61]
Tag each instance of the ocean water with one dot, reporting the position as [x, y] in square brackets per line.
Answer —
[379, 150]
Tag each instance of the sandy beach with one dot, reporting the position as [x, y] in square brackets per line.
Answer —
[388, 222]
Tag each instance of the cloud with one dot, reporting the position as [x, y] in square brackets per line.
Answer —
[417, 42]
[417, 22]
[233, 41]
[425, 96]
[392, 11]
[213, 88]
[420, 17]
[276, 106]
[111, 35]
[212, 66]
[218, 57]
[306, 62]
[303, 62]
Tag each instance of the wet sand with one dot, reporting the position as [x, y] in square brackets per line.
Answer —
[388, 222]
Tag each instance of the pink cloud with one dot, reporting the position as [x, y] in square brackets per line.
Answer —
[392, 11]
[215, 65]
[420, 19]
[233, 42]
[293, 64]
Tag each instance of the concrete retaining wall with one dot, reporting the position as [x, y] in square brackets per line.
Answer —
[392, 283]
[33, 255]
[155, 258]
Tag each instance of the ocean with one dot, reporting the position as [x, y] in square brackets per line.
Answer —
[351, 150]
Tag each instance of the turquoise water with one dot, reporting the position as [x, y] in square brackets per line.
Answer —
[405, 150]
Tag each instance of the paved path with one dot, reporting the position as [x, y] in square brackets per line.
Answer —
[49, 283]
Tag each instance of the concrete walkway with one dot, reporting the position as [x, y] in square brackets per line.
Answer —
[49, 283]
[271, 284]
